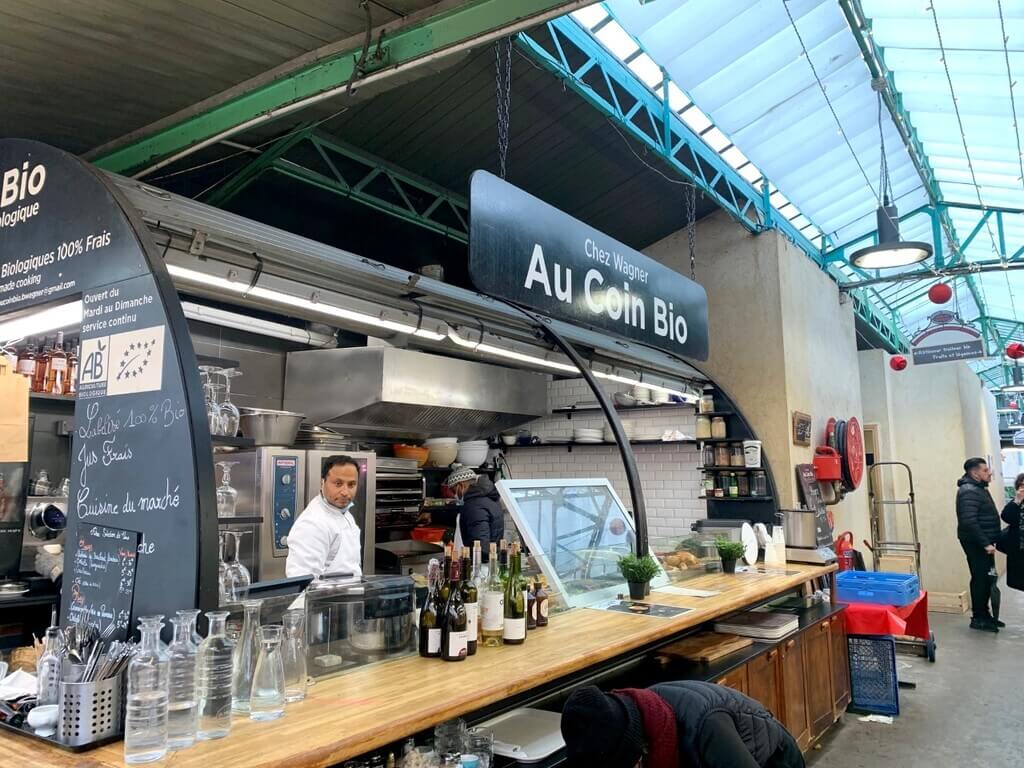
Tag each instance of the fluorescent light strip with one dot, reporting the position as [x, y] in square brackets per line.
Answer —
[49, 319]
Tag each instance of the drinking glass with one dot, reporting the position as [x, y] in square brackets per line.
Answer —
[228, 410]
[449, 738]
[209, 393]
[480, 742]
[293, 653]
[227, 496]
[267, 696]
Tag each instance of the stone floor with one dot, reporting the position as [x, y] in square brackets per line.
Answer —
[967, 710]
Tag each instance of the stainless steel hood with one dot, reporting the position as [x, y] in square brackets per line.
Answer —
[389, 391]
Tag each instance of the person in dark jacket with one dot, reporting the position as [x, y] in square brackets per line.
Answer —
[481, 517]
[978, 529]
[691, 724]
[1012, 542]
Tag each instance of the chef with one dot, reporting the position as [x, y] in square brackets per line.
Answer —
[325, 537]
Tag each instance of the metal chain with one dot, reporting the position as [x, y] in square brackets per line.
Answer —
[503, 93]
[691, 227]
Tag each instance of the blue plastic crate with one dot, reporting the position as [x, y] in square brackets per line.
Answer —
[877, 587]
[874, 687]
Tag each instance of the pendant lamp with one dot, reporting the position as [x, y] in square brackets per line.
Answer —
[890, 251]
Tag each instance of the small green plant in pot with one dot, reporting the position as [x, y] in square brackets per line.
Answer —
[730, 552]
[638, 572]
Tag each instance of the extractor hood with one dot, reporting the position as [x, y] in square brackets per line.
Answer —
[390, 391]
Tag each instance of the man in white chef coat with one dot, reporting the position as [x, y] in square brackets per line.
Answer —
[325, 537]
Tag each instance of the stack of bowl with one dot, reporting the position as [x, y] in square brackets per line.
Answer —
[472, 453]
[443, 450]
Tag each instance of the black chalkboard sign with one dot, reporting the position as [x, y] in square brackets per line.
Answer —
[102, 577]
[141, 457]
[813, 500]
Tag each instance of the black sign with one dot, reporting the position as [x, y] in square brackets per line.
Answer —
[947, 353]
[140, 420]
[525, 251]
[102, 577]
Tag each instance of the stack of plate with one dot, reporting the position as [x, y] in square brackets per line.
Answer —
[583, 435]
[321, 439]
[760, 625]
[627, 426]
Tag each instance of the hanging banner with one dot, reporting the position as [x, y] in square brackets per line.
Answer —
[947, 338]
[530, 253]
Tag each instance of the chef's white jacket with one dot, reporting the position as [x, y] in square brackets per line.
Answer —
[324, 539]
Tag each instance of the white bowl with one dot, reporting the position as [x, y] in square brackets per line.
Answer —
[53, 549]
[43, 718]
[508, 439]
[441, 441]
[472, 456]
[441, 454]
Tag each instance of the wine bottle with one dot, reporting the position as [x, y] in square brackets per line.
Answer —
[57, 367]
[503, 562]
[454, 634]
[71, 381]
[531, 606]
[514, 632]
[492, 613]
[444, 586]
[470, 599]
[542, 603]
[38, 383]
[430, 618]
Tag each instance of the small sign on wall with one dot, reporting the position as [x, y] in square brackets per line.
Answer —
[801, 428]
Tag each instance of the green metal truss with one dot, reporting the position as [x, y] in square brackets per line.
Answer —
[341, 169]
[331, 74]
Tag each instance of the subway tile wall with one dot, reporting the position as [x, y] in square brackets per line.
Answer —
[668, 473]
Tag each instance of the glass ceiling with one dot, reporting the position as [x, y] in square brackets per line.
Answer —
[788, 94]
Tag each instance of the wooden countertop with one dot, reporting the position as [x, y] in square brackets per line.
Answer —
[378, 704]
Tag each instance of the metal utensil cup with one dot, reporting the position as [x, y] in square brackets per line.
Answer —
[90, 712]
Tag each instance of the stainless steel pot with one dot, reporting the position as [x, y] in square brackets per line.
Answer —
[46, 521]
[801, 528]
[269, 427]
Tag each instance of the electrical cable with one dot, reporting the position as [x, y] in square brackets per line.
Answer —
[1011, 82]
[503, 98]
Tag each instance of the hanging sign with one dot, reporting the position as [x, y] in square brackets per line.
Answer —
[947, 338]
[525, 251]
[140, 451]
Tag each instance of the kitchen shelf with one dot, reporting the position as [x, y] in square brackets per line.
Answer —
[712, 414]
[217, 362]
[234, 442]
[571, 445]
[240, 520]
[728, 468]
[571, 409]
[747, 499]
[721, 439]
[51, 398]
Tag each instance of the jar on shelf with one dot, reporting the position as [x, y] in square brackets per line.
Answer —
[708, 456]
[736, 457]
[743, 483]
[718, 430]
[733, 488]
[703, 427]
[708, 484]
[722, 455]
[759, 483]
[707, 403]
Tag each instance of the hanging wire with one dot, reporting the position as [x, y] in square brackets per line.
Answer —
[1013, 105]
[884, 182]
[690, 194]
[503, 96]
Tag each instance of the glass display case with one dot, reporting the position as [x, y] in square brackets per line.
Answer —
[576, 531]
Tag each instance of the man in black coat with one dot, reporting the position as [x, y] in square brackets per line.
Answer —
[978, 530]
[692, 724]
[1012, 541]
[481, 517]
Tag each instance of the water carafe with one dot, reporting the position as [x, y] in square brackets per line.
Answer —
[145, 722]
[215, 666]
[267, 700]
[182, 705]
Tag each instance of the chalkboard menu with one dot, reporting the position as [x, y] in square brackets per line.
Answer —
[102, 577]
[141, 458]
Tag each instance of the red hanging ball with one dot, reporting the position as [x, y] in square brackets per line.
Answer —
[940, 293]
[1015, 351]
[898, 362]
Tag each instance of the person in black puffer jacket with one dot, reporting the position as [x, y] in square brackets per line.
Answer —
[1012, 540]
[978, 529]
[480, 516]
[692, 724]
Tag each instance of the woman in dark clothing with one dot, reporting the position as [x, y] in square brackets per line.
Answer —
[1012, 542]
[691, 724]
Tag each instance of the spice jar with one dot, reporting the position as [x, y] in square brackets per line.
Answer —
[707, 403]
[736, 457]
[718, 427]
[743, 483]
[722, 455]
[759, 484]
[703, 427]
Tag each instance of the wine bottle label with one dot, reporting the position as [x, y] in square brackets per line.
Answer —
[515, 629]
[472, 619]
[533, 610]
[458, 644]
[493, 615]
[433, 641]
[27, 367]
[543, 608]
[58, 364]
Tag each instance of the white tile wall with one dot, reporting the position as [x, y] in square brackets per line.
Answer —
[668, 472]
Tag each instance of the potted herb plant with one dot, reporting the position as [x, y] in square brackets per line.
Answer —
[730, 552]
[638, 572]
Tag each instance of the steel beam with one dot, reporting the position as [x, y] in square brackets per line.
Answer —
[327, 73]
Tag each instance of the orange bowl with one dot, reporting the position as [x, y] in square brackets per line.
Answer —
[415, 452]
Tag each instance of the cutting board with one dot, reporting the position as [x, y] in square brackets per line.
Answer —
[706, 646]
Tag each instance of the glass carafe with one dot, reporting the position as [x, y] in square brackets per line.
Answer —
[214, 667]
[182, 706]
[238, 576]
[267, 700]
[227, 496]
[145, 720]
[48, 667]
[247, 651]
[228, 410]
[293, 654]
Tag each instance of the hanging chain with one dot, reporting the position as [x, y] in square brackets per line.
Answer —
[503, 92]
[691, 227]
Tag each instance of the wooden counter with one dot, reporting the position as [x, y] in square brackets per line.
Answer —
[378, 704]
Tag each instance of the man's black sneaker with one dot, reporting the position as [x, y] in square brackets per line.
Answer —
[984, 625]
[999, 623]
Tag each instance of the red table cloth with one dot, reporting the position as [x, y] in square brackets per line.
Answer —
[871, 619]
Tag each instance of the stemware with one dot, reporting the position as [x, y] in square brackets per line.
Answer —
[222, 572]
[238, 576]
[211, 392]
[228, 410]
[227, 496]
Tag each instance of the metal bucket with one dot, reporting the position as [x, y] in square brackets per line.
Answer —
[90, 712]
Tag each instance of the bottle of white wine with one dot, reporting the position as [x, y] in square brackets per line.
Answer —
[492, 613]
[454, 636]
[514, 632]
[470, 599]
[430, 615]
